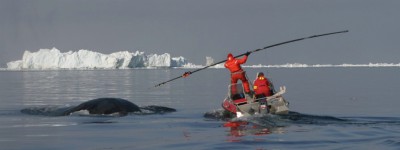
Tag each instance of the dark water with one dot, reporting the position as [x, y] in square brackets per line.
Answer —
[332, 108]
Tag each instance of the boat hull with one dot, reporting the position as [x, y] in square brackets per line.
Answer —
[247, 105]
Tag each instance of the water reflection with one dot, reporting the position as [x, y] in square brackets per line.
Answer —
[242, 128]
[61, 86]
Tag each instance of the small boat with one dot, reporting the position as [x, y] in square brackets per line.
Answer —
[238, 103]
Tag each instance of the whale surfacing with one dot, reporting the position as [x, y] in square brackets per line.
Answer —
[106, 106]
[100, 106]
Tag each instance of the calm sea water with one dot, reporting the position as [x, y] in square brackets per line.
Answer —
[334, 108]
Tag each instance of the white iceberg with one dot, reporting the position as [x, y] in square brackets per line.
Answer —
[155, 60]
[209, 60]
[85, 59]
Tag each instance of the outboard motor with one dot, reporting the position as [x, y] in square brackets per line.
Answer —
[263, 107]
[263, 104]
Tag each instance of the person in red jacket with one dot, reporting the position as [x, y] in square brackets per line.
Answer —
[262, 86]
[237, 73]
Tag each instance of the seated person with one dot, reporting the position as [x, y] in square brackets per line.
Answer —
[262, 87]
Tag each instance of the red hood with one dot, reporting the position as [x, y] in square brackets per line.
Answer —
[230, 56]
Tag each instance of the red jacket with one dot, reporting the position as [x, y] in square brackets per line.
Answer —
[262, 86]
[233, 64]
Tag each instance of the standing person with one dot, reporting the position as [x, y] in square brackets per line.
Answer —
[262, 86]
[237, 73]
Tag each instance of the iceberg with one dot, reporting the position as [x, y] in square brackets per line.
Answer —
[85, 59]
[155, 60]
[209, 60]
[14, 64]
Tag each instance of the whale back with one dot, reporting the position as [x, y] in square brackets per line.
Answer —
[106, 106]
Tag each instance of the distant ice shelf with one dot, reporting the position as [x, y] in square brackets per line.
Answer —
[299, 65]
[53, 59]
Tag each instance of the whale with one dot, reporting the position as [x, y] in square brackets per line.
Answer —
[106, 106]
[99, 106]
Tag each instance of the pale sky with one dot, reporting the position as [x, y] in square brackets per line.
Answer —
[199, 28]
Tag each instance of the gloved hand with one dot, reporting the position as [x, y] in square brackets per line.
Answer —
[248, 53]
